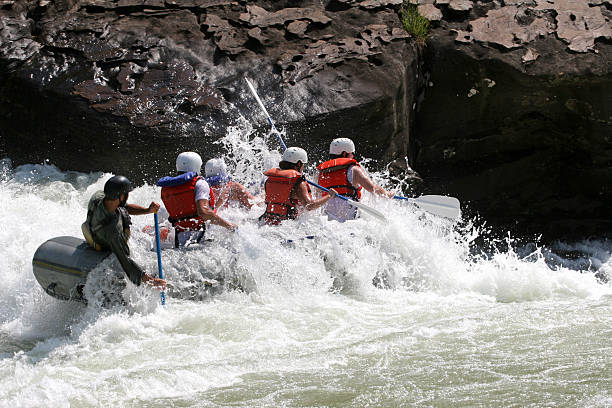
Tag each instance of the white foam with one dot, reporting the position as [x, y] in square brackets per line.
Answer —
[312, 309]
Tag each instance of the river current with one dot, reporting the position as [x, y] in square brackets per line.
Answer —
[452, 326]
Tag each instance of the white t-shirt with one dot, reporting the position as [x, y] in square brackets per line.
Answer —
[339, 209]
[202, 190]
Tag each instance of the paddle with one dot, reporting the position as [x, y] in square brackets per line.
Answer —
[439, 205]
[282, 142]
[159, 263]
[362, 206]
[357, 204]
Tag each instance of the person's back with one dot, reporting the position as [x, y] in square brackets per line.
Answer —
[281, 203]
[337, 173]
[99, 217]
[190, 201]
[343, 173]
[287, 191]
[225, 189]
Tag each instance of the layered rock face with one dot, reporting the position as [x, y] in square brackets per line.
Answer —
[125, 85]
[506, 106]
[517, 120]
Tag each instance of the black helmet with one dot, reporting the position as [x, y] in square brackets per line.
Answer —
[117, 185]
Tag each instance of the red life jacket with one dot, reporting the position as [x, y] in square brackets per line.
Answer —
[180, 203]
[278, 187]
[333, 174]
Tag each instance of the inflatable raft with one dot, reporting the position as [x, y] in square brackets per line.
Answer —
[61, 266]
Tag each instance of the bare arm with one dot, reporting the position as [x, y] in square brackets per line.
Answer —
[361, 178]
[302, 194]
[205, 213]
[135, 209]
[239, 193]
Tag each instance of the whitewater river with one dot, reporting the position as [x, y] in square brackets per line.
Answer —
[519, 327]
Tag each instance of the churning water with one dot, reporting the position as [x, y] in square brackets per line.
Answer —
[519, 327]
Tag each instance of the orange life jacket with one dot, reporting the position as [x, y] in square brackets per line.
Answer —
[279, 186]
[180, 203]
[333, 174]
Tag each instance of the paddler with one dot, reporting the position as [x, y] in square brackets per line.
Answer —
[287, 191]
[343, 173]
[226, 190]
[107, 227]
[190, 201]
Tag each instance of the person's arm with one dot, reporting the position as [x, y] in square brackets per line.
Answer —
[133, 271]
[207, 214]
[239, 193]
[135, 209]
[306, 199]
[361, 178]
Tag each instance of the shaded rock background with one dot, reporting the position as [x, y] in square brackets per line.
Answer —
[517, 119]
[507, 105]
[121, 85]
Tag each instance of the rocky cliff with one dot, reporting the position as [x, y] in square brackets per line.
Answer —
[506, 105]
[517, 117]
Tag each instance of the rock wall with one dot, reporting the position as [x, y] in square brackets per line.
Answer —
[120, 84]
[517, 117]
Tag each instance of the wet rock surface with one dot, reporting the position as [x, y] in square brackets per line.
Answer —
[506, 105]
[91, 80]
[516, 119]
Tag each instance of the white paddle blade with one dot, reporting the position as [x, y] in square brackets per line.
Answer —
[443, 206]
[369, 210]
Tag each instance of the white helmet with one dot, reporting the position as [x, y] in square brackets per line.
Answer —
[343, 144]
[215, 167]
[189, 161]
[294, 155]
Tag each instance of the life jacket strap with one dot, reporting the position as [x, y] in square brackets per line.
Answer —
[173, 220]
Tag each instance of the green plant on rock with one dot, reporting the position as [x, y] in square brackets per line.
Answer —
[414, 23]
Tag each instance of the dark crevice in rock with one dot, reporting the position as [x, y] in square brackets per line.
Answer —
[139, 10]
[91, 9]
[454, 16]
[335, 6]
[219, 57]
[63, 51]
[36, 13]
[603, 40]
[375, 60]
[254, 45]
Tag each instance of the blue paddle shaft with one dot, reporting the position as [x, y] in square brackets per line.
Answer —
[159, 262]
[325, 189]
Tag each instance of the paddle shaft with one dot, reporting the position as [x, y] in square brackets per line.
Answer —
[354, 203]
[159, 261]
[282, 142]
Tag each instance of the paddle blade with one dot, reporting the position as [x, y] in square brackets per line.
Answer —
[443, 206]
[369, 210]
